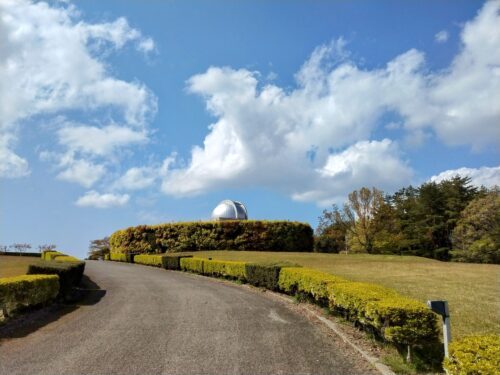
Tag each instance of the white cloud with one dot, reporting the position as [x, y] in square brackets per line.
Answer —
[137, 178]
[267, 136]
[441, 37]
[82, 172]
[94, 199]
[11, 165]
[51, 61]
[484, 176]
[99, 141]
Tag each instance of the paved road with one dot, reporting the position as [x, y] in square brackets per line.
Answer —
[152, 321]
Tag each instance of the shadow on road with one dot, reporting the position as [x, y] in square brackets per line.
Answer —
[86, 294]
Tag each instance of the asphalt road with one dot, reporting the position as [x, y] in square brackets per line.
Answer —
[151, 321]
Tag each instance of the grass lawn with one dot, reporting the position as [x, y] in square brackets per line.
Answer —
[472, 290]
[14, 265]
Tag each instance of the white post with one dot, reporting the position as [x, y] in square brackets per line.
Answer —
[446, 334]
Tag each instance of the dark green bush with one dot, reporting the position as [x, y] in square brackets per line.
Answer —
[263, 275]
[70, 273]
[172, 261]
[212, 235]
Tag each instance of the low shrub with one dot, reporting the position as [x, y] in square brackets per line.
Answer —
[192, 265]
[106, 256]
[149, 259]
[70, 273]
[307, 281]
[49, 255]
[478, 355]
[118, 257]
[19, 292]
[172, 261]
[264, 275]
[228, 269]
[66, 258]
[212, 235]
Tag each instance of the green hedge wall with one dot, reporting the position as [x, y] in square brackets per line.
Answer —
[118, 257]
[212, 235]
[474, 355]
[70, 273]
[397, 319]
[19, 292]
[149, 260]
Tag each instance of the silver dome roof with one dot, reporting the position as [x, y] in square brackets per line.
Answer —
[230, 210]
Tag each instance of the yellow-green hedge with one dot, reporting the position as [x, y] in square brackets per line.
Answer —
[49, 255]
[118, 257]
[24, 291]
[192, 265]
[397, 319]
[65, 258]
[149, 259]
[308, 281]
[218, 268]
[474, 355]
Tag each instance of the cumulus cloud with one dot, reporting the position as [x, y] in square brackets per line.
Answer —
[312, 142]
[94, 199]
[137, 178]
[53, 61]
[82, 172]
[484, 176]
[99, 141]
[441, 37]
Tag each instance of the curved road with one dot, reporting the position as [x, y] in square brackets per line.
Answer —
[152, 321]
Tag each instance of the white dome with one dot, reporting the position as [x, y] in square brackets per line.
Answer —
[230, 210]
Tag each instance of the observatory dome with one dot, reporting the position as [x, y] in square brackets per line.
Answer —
[230, 210]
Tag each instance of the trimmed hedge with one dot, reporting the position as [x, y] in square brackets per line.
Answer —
[395, 318]
[19, 292]
[173, 262]
[49, 255]
[263, 275]
[192, 265]
[118, 257]
[214, 235]
[312, 283]
[149, 259]
[70, 273]
[228, 269]
[474, 355]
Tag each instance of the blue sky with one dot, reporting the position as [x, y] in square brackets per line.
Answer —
[116, 113]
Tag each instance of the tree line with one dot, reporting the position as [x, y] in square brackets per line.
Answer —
[449, 220]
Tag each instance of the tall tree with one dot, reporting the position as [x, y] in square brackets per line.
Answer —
[476, 237]
[98, 248]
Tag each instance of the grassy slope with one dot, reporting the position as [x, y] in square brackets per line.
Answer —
[14, 265]
[472, 290]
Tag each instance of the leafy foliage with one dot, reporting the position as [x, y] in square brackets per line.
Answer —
[20, 292]
[476, 238]
[474, 355]
[225, 235]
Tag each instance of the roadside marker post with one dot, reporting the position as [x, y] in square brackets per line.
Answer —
[441, 308]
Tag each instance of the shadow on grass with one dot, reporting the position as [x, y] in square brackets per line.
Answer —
[86, 294]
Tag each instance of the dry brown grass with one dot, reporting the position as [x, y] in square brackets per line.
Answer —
[14, 265]
[472, 290]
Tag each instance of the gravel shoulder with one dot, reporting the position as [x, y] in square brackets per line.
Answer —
[151, 321]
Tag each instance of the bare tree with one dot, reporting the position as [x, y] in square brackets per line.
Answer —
[46, 247]
[20, 247]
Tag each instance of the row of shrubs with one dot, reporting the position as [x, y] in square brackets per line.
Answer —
[69, 270]
[51, 277]
[213, 235]
[20, 292]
